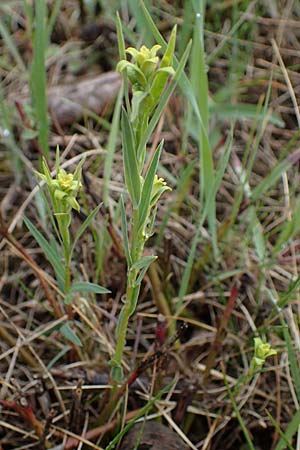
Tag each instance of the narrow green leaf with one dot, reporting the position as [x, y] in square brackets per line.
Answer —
[12, 47]
[291, 429]
[49, 251]
[241, 111]
[290, 293]
[137, 102]
[141, 413]
[111, 145]
[275, 173]
[125, 232]
[85, 286]
[257, 235]
[58, 356]
[54, 13]
[29, 134]
[150, 226]
[187, 88]
[142, 265]
[132, 177]
[70, 334]
[147, 187]
[38, 75]
[121, 42]
[196, 239]
[162, 76]
[122, 53]
[238, 415]
[84, 226]
[142, 262]
[289, 229]
[293, 357]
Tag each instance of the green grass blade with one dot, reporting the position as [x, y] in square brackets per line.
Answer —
[288, 295]
[242, 111]
[289, 229]
[134, 6]
[292, 357]
[141, 413]
[274, 175]
[12, 47]
[292, 428]
[257, 235]
[53, 16]
[111, 146]
[180, 193]
[38, 76]
[238, 416]
[199, 83]
[122, 53]
[196, 239]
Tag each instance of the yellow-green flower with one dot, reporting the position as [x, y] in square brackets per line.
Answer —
[145, 58]
[158, 188]
[65, 181]
[262, 350]
[63, 188]
[148, 75]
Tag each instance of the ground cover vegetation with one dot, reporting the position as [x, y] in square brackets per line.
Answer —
[149, 224]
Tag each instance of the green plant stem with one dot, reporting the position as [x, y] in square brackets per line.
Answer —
[131, 296]
[132, 290]
[65, 237]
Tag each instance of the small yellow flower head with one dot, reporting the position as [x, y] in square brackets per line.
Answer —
[63, 189]
[148, 75]
[158, 188]
[262, 350]
[67, 182]
[145, 58]
[142, 68]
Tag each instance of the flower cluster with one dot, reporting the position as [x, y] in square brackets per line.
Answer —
[63, 188]
[148, 76]
[142, 68]
[262, 350]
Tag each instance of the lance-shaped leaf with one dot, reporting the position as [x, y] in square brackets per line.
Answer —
[85, 286]
[84, 226]
[138, 101]
[48, 249]
[125, 232]
[166, 69]
[147, 188]
[135, 74]
[132, 177]
[68, 332]
[142, 265]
